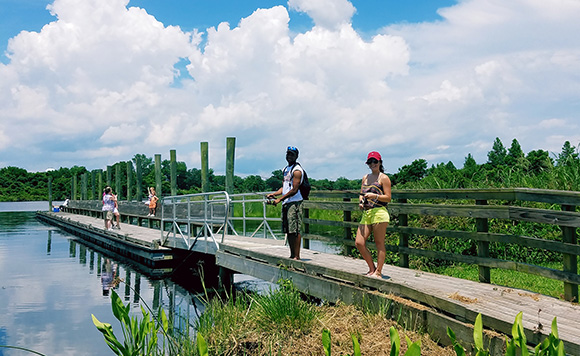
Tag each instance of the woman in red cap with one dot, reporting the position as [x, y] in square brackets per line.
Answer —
[373, 199]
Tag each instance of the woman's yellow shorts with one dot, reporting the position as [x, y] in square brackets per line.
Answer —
[375, 216]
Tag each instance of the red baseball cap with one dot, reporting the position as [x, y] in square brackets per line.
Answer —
[374, 154]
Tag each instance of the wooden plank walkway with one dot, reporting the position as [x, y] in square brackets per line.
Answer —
[454, 298]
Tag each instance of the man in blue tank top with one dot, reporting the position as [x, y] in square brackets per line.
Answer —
[291, 202]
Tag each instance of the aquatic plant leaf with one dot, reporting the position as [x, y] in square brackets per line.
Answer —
[326, 341]
[355, 345]
[201, 345]
[414, 350]
[555, 328]
[478, 332]
[395, 341]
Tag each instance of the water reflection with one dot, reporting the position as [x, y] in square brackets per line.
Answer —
[51, 283]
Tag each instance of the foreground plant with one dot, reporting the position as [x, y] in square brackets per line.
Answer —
[140, 336]
[551, 346]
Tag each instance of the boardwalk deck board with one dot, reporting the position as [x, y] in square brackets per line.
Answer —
[458, 298]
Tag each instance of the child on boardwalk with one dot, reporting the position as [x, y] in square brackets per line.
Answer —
[152, 202]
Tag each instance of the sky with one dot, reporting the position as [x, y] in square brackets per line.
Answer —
[94, 82]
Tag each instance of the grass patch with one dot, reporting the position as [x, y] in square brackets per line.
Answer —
[513, 279]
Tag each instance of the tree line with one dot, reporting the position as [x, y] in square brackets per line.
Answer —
[505, 167]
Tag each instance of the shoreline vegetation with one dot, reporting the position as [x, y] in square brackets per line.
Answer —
[283, 321]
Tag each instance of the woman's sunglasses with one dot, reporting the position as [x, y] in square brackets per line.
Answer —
[373, 161]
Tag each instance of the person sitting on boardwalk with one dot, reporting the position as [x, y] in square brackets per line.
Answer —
[373, 199]
[152, 202]
[291, 201]
[108, 207]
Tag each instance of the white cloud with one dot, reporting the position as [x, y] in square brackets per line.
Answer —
[329, 14]
[101, 79]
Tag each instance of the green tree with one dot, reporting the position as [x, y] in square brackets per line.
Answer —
[253, 183]
[497, 156]
[411, 173]
[540, 161]
[275, 181]
[568, 156]
[515, 157]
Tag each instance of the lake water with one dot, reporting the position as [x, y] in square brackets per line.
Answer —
[51, 283]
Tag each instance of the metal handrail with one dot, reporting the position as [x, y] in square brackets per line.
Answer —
[208, 218]
[244, 199]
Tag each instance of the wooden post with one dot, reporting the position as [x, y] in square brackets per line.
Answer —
[100, 192]
[483, 246]
[93, 185]
[230, 156]
[173, 166]
[118, 180]
[346, 215]
[49, 193]
[158, 186]
[204, 147]
[74, 187]
[305, 242]
[570, 262]
[84, 179]
[403, 238]
[139, 178]
[109, 176]
[129, 180]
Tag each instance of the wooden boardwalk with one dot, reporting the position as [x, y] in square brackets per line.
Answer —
[438, 301]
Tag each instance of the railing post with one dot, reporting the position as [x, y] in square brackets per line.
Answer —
[306, 242]
[347, 217]
[403, 238]
[570, 262]
[483, 246]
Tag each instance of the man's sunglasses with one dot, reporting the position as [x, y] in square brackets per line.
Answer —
[291, 148]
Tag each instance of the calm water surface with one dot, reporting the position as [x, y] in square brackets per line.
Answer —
[51, 283]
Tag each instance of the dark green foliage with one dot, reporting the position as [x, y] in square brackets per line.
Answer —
[411, 173]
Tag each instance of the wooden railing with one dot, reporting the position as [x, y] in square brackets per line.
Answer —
[547, 207]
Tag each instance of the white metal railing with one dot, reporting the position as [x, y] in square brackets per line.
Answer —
[248, 200]
[207, 213]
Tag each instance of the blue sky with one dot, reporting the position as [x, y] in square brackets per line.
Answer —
[91, 83]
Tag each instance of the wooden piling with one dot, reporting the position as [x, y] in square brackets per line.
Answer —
[230, 156]
[173, 165]
[138, 175]
[204, 148]
[158, 186]
[118, 180]
[129, 180]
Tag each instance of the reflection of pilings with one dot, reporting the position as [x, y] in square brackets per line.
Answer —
[127, 285]
[49, 242]
[83, 254]
[98, 264]
[137, 287]
[156, 294]
[92, 261]
[171, 312]
[72, 248]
